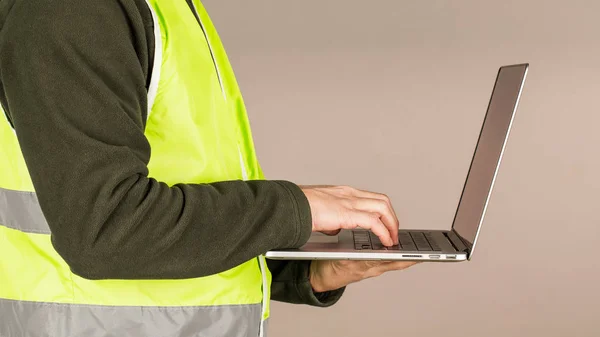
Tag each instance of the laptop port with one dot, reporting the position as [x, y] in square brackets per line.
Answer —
[434, 256]
[412, 255]
[451, 257]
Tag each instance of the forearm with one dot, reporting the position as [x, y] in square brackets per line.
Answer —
[148, 230]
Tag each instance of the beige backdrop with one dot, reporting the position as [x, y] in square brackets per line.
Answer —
[390, 96]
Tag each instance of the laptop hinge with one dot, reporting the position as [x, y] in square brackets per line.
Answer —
[458, 242]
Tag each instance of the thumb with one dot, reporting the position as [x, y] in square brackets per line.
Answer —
[396, 265]
[332, 232]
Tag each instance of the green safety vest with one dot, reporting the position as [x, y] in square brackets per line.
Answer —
[200, 140]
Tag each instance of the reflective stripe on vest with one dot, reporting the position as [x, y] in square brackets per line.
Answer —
[199, 133]
[33, 319]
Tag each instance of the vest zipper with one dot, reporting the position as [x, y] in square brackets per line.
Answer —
[265, 291]
[244, 172]
[216, 65]
[261, 263]
[212, 55]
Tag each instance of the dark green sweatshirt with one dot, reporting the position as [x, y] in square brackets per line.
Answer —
[73, 83]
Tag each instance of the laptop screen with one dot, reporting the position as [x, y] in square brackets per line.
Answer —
[488, 152]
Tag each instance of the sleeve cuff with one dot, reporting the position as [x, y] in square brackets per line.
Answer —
[303, 213]
[310, 297]
[323, 300]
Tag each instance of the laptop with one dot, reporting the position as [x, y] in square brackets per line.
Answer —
[458, 243]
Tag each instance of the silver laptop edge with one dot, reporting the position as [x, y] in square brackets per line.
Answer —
[460, 241]
[472, 245]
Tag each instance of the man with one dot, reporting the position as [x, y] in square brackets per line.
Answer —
[131, 199]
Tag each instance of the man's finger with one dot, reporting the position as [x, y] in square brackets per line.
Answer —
[382, 208]
[370, 221]
[331, 233]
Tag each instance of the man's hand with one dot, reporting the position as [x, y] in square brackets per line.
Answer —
[341, 207]
[329, 275]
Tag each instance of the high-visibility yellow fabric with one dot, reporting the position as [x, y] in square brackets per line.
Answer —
[33, 271]
[199, 133]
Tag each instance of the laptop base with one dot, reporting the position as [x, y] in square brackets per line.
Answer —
[428, 245]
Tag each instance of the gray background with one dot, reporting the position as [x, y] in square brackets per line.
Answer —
[390, 96]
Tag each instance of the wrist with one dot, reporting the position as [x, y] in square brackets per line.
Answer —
[308, 198]
[303, 212]
[315, 279]
[322, 277]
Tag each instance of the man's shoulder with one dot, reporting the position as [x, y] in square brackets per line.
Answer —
[75, 33]
[28, 15]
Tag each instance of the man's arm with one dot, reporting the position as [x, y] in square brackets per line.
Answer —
[75, 90]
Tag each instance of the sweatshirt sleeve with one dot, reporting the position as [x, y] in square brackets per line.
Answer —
[74, 87]
[291, 284]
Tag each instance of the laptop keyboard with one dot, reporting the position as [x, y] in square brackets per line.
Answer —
[415, 241]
